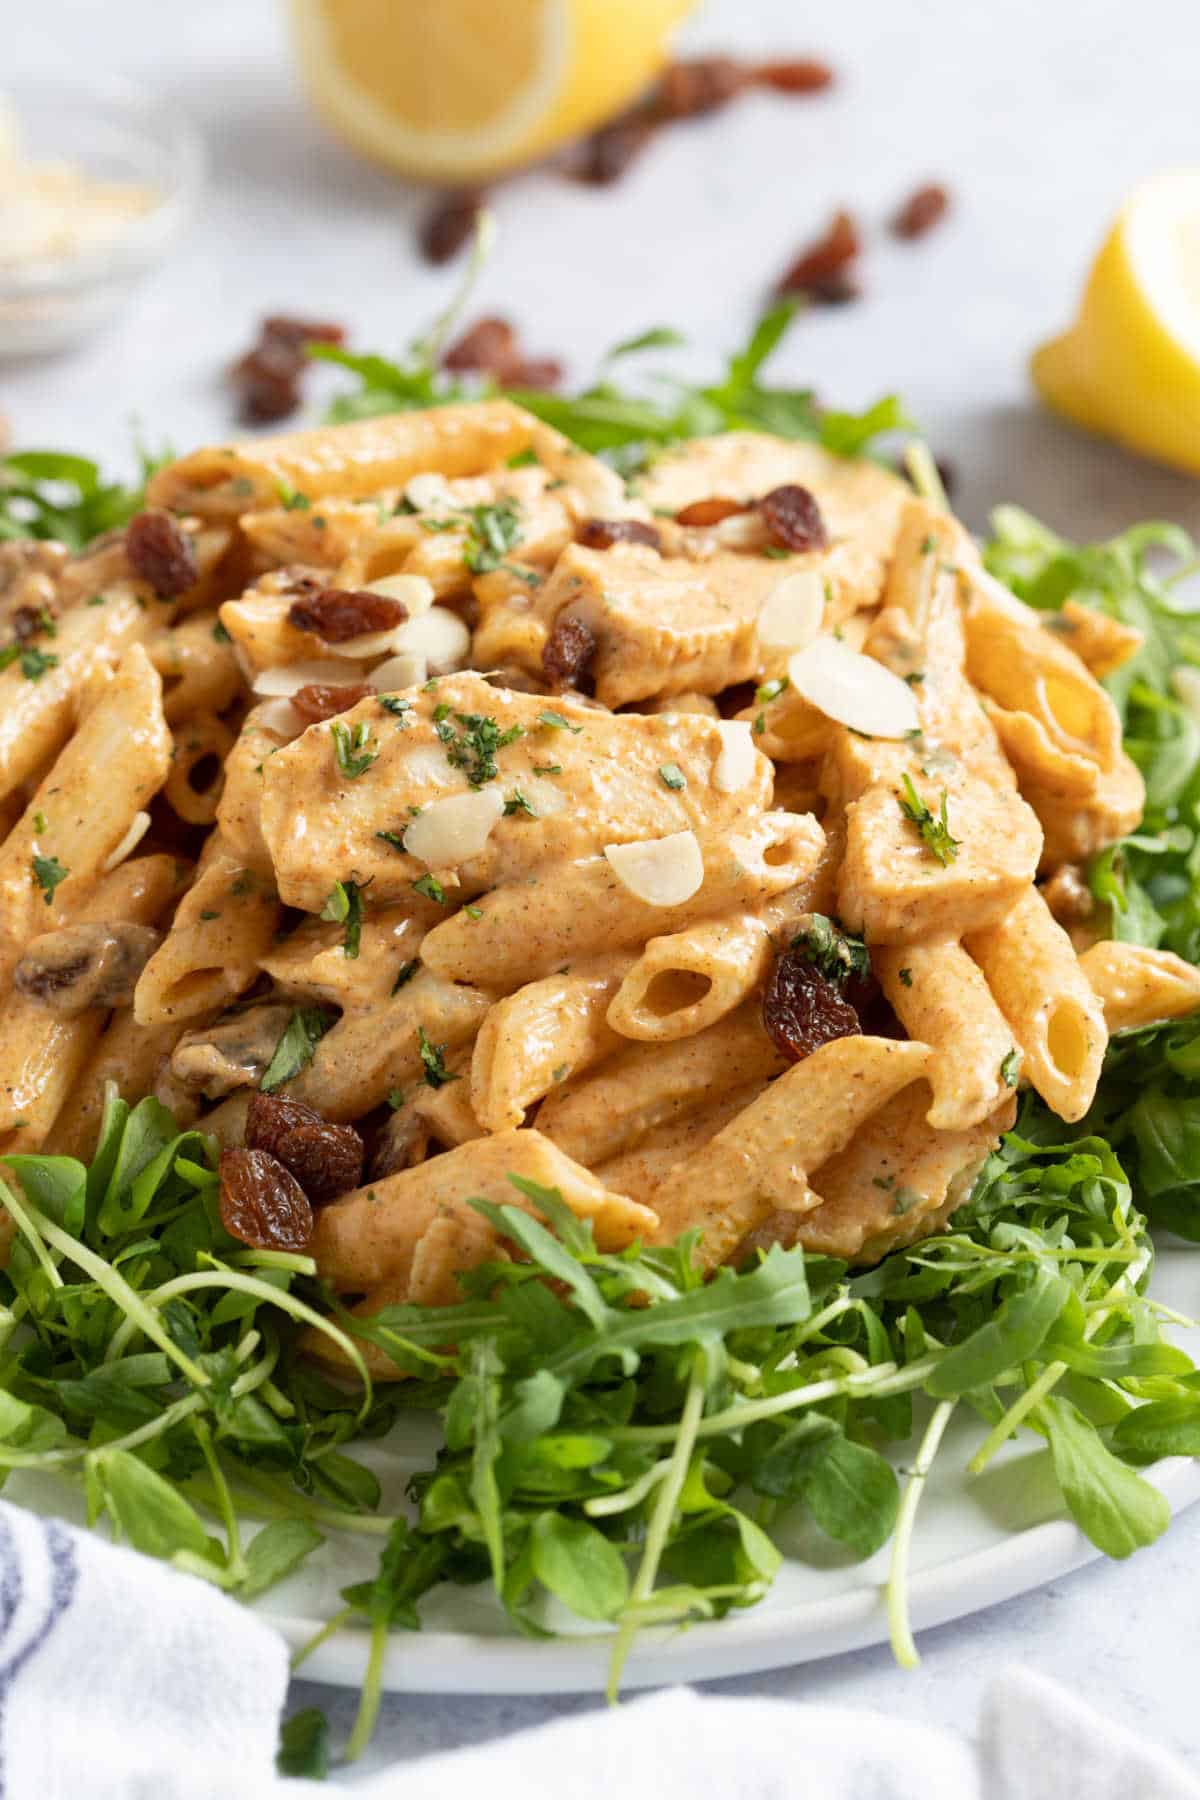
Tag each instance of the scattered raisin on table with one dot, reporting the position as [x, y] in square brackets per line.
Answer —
[326, 1159]
[319, 700]
[803, 1009]
[568, 653]
[262, 1204]
[609, 152]
[830, 255]
[450, 224]
[793, 518]
[696, 85]
[160, 550]
[493, 347]
[709, 512]
[337, 614]
[284, 329]
[602, 534]
[922, 210]
[793, 75]
[267, 379]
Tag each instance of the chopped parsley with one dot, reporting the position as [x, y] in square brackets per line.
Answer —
[1010, 1068]
[294, 1051]
[48, 872]
[291, 497]
[547, 768]
[473, 912]
[34, 662]
[472, 748]
[345, 907]
[906, 978]
[39, 821]
[431, 887]
[672, 776]
[561, 1072]
[394, 838]
[352, 747]
[834, 952]
[517, 803]
[395, 1098]
[933, 828]
[522, 459]
[399, 709]
[492, 533]
[771, 690]
[776, 552]
[760, 724]
[915, 677]
[433, 1056]
[554, 721]
[404, 976]
[928, 545]
[220, 635]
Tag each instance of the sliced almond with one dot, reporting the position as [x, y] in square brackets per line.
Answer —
[853, 689]
[792, 612]
[661, 872]
[413, 591]
[139, 825]
[734, 766]
[280, 718]
[452, 831]
[286, 679]
[427, 492]
[407, 669]
[438, 635]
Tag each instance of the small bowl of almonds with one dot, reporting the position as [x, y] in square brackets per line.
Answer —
[96, 184]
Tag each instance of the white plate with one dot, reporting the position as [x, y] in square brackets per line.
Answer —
[978, 1540]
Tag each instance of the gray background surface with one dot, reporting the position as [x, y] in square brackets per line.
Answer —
[1039, 114]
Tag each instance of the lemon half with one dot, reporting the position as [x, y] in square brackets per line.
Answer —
[1129, 367]
[457, 90]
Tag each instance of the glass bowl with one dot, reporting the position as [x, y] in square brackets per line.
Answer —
[110, 132]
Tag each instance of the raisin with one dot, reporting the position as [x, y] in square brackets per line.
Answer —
[709, 512]
[568, 652]
[821, 261]
[538, 372]
[696, 85]
[609, 152]
[317, 700]
[161, 551]
[267, 381]
[338, 614]
[450, 224]
[921, 211]
[836, 290]
[490, 345]
[602, 534]
[793, 75]
[802, 1009]
[326, 1159]
[793, 518]
[262, 1204]
[280, 328]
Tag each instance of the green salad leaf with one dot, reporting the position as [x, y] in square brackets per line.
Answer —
[52, 494]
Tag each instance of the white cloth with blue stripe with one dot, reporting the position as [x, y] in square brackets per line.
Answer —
[122, 1680]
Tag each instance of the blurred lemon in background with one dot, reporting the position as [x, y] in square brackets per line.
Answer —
[1129, 367]
[457, 90]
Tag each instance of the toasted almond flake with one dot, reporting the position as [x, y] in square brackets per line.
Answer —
[406, 669]
[413, 591]
[661, 872]
[426, 492]
[734, 766]
[280, 718]
[438, 635]
[426, 765]
[792, 612]
[286, 679]
[547, 796]
[370, 644]
[139, 825]
[453, 830]
[853, 689]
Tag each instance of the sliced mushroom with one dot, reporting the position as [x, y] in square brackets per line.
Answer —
[401, 1144]
[83, 966]
[232, 1053]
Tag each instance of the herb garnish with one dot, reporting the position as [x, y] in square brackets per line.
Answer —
[554, 721]
[1010, 1068]
[933, 827]
[833, 951]
[492, 533]
[473, 748]
[48, 872]
[399, 708]
[672, 776]
[517, 803]
[294, 1051]
[405, 974]
[431, 887]
[351, 745]
[345, 907]
[433, 1058]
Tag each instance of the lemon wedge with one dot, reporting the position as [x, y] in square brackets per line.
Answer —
[1129, 367]
[458, 90]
